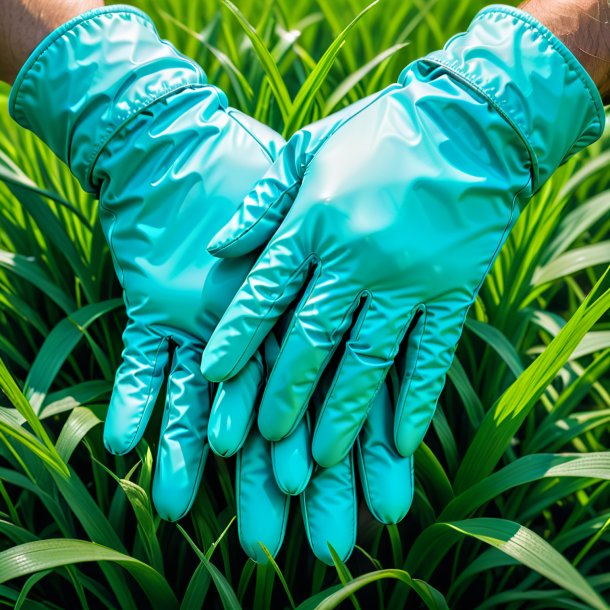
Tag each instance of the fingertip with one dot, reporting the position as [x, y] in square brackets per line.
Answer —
[292, 463]
[343, 549]
[115, 439]
[408, 440]
[271, 428]
[243, 233]
[255, 551]
[224, 439]
[170, 505]
[389, 495]
[219, 245]
[233, 242]
[213, 367]
[220, 447]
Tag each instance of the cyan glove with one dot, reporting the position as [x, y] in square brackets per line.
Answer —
[388, 224]
[139, 126]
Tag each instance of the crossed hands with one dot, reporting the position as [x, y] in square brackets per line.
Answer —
[328, 305]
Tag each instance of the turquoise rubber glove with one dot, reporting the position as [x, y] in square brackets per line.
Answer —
[390, 223]
[139, 126]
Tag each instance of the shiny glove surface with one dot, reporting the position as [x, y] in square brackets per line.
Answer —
[388, 220]
[140, 127]
[268, 474]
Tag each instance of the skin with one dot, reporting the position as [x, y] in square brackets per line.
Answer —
[582, 25]
[24, 23]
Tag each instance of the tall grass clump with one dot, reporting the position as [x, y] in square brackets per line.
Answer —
[512, 502]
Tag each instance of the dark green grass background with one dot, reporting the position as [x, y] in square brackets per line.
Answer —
[512, 503]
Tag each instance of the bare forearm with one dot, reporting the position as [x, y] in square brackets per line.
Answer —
[583, 26]
[24, 23]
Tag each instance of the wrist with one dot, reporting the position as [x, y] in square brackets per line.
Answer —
[531, 78]
[583, 27]
[90, 76]
[25, 23]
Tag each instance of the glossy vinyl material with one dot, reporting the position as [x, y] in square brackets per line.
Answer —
[140, 127]
[388, 219]
[327, 495]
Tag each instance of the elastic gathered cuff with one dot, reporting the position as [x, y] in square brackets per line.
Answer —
[532, 79]
[90, 76]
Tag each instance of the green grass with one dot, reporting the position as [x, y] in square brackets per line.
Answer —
[512, 503]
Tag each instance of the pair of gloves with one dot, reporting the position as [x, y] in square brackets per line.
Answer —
[359, 246]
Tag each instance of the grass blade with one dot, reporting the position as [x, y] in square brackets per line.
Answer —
[41, 555]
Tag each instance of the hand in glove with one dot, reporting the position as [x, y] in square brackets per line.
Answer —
[140, 127]
[388, 220]
[268, 474]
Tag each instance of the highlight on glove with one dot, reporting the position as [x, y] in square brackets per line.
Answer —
[384, 222]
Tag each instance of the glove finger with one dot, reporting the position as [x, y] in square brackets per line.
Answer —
[136, 386]
[368, 355]
[429, 353]
[386, 476]
[329, 510]
[314, 333]
[262, 509]
[182, 446]
[292, 461]
[234, 409]
[264, 208]
[274, 282]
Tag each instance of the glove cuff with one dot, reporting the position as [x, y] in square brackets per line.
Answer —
[90, 76]
[532, 79]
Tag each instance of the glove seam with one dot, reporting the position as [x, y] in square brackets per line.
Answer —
[531, 23]
[366, 487]
[230, 113]
[271, 306]
[469, 82]
[217, 250]
[401, 411]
